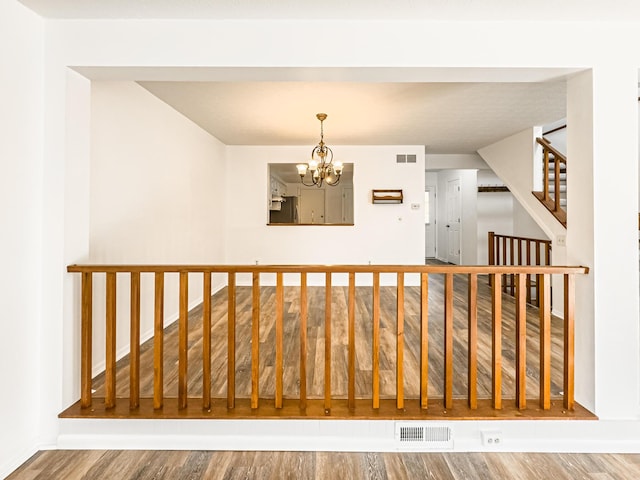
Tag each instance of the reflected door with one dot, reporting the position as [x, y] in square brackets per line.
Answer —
[312, 206]
[453, 221]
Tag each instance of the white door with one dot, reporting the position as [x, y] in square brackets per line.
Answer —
[347, 205]
[453, 221]
[430, 222]
[311, 206]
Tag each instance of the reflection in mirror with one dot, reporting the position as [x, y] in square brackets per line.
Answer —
[291, 203]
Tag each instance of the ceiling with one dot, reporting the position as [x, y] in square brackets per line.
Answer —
[447, 10]
[280, 110]
[445, 117]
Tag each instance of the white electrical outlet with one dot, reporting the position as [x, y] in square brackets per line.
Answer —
[491, 438]
[561, 240]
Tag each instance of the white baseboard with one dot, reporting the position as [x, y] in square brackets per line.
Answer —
[345, 435]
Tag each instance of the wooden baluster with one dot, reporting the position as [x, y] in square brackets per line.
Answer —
[544, 289]
[492, 248]
[504, 262]
[279, 333]
[206, 341]
[327, 345]
[545, 174]
[375, 363]
[110, 366]
[158, 342]
[521, 342]
[424, 339]
[352, 341]
[538, 277]
[556, 184]
[448, 341]
[512, 289]
[183, 336]
[303, 340]
[86, 337]
[255, 339]
[547, 253]
[231, 340]
[569, 340]
[472, 325]
[400, 343]
[497, 257]
[529, 286]
[496, 343]
[134, 343]
[520, 251]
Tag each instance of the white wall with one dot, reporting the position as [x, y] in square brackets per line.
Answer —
[495, 213]
[21, 118]
[469, 221]
[157, 197]
[381, 234]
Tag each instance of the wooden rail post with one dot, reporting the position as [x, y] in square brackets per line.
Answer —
[231, 340]
[134, 343]
[327, 345]
[375, 362]
[255, 339]
[400, 342]
[158, 342]
[521, 342]
[569, 340]
[545, 341]
[303, 340]
[279, 339]
[206, 341]
[110, 366]
[472, 326]
[352, 341]
[496, 344]
[448, 340]
[86, 339]
[183, 337]
[424, 339]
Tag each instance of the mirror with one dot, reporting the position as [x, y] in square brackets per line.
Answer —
[292, 203]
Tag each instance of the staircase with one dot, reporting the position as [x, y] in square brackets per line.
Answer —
[554, 193]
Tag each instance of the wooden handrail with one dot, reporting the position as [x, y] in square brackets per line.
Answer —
[547, 144]
[496, 273]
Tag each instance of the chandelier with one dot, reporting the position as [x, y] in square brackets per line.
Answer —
[321, 166]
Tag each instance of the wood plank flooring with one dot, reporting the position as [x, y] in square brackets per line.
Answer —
[193, 465]
[339, 347]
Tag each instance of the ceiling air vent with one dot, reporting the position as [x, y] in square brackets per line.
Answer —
[421, 436]
[405, 158]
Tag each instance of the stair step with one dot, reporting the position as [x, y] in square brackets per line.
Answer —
[552, 175]
[563, 187]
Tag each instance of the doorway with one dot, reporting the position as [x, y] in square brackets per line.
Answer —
[453, 221]
[430, 236]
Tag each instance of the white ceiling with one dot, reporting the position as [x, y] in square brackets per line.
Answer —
[280, 110]
[445, 117]
[449, 10]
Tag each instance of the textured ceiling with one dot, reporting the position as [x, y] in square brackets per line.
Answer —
[458, 10]
[445, 117]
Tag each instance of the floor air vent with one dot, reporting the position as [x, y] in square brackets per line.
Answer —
[423, 437]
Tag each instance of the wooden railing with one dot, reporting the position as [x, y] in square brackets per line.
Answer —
[419, 274]
[552, 203]
[510, 250]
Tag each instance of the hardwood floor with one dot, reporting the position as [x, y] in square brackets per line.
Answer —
[193, 465]
[339, 348]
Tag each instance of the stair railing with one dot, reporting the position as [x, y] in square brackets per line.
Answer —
[508, 250]
[552, 204]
